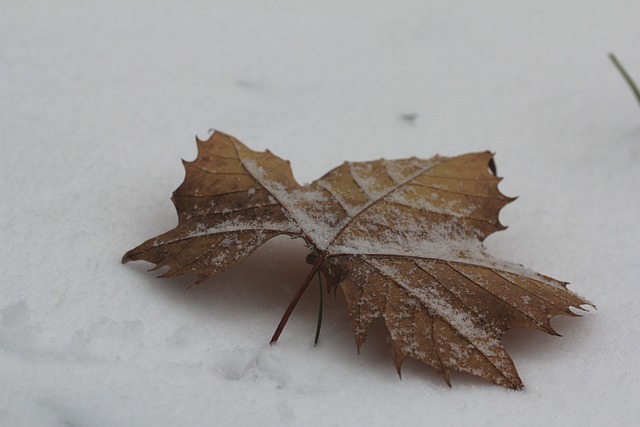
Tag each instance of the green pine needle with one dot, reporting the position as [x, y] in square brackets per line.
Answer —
[625, 76]
[319, 311]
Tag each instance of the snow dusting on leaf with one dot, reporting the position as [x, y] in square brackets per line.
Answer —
[401, 238]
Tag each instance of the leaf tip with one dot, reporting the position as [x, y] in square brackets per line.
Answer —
[131, 255]
[552, 331]
[447, 378]
[398, 358]
[492, 164]
[399, 369]
[517, 387]
[359, 341]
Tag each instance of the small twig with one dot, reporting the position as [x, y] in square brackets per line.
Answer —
[296, 298]
[625, 76]
[315, 342]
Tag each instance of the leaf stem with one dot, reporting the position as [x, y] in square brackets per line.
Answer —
[296, 297]
[320, 309]
[625, 76]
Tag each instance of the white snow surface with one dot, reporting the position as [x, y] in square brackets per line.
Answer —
[99, 101]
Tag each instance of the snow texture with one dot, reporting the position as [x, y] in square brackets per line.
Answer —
[99, 101]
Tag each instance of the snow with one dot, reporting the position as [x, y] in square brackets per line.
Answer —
[100, 101]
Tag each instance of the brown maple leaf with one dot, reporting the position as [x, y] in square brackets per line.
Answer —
[401, 238]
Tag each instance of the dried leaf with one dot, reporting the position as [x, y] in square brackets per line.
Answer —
[401, 238]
